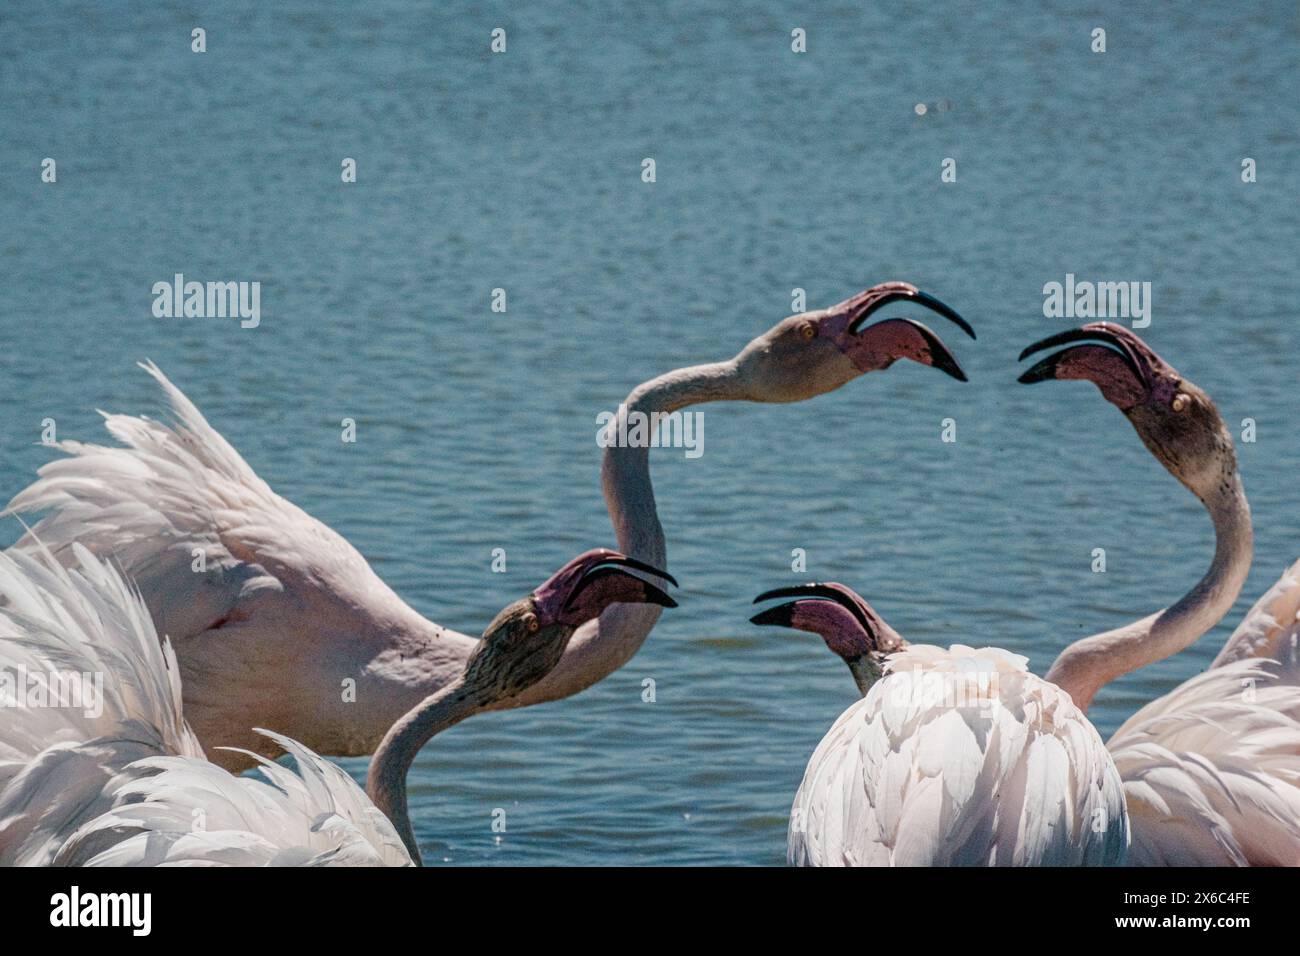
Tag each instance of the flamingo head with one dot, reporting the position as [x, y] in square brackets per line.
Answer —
[1176, 420]
[816, 352]
[849, 625]
[528, 637]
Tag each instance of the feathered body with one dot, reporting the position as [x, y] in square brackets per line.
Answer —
[129, 784]
[276, 619]
[1211, 770]
[959, 757]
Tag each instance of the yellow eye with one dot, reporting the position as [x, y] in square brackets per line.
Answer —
[807, 331]
[1181, 401]
[530, 622]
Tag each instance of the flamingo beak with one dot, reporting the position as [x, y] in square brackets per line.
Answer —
[583, 588]
[1113, 358]
[882, 295]
[1097, 333]
[878, 346]
[940, 357]
[782, 614]
[838, 616]
[617, 586]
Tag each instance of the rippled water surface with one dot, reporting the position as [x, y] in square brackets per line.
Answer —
[774, 171]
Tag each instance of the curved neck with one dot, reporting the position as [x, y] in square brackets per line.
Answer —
[386, 779]
[630, 498]
[601, 647]
[625, 471]
[1087, 665]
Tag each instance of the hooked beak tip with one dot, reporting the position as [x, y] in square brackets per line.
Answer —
[648, 569]
[606, 566]
[656, 596]
[779, 615]
[947, 311]
[1044, 370]
[941, 358]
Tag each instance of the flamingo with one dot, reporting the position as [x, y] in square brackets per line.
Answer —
[1210, 773]
[1211, 770]
[952, 757]
[284, 612]
[130, 785]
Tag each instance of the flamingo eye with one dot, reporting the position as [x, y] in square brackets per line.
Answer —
[1181, 401]
[531, 623]
[807, 331]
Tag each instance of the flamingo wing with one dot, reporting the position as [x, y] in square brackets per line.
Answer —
[114, 775]
[183, 515]
[1271, 629]
[269, 610]
[959, 757]
[1211, 770]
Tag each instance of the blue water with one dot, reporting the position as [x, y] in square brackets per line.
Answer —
[774, 171]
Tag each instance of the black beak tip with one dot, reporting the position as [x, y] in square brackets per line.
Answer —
[946, 362]
[643, 566]
[779, 615]
[947, 311]
[768, 595]
[1044, 371]
[962, 324]
[655, 596]
[940, 357]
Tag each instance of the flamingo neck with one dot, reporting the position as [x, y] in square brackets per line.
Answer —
[386, 779]
[630, 498]
[866, 669]
[599, 648]
[625, 471]
[1086, 666]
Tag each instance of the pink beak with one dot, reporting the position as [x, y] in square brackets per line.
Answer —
[582, 589]
[843, 620]
[880, 345]
[1118, 362]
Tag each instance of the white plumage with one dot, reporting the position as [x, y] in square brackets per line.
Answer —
[1212, 769]
[268, 609]
[130, 785]
[959, 757]
[190, 811]
[1271, 629]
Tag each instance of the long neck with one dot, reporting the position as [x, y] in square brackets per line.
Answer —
[1084, 667]
[600, 648]
[386, 780]
[625, 471]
